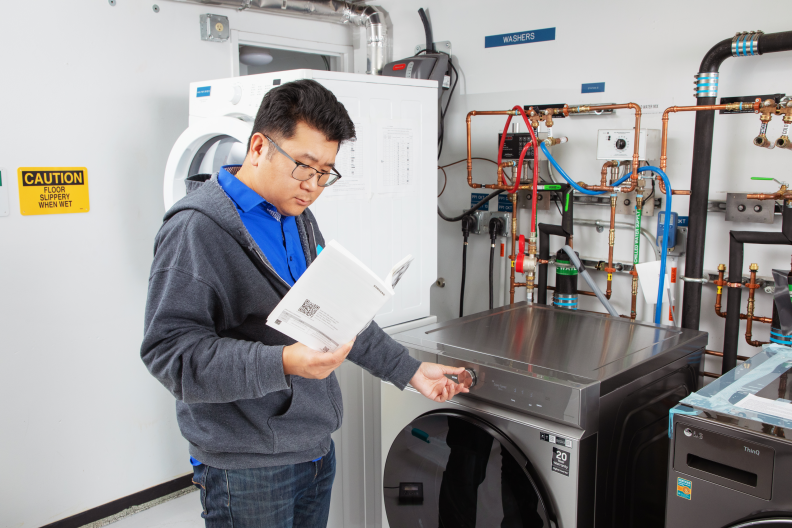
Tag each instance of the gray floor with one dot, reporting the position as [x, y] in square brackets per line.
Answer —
[182, 512]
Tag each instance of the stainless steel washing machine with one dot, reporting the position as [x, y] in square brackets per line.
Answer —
[565, 424]
[731, 460]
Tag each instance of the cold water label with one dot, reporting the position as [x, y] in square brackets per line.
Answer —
[684, 488]
[204, 91]
[53, 190]
[520, 37]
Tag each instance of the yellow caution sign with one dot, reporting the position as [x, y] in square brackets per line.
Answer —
[53, 190]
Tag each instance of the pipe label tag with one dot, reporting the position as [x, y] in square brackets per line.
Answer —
[521, 37]
[592, 87]
[476, 198]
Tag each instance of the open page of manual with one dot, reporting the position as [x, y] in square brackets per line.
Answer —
[335, 299]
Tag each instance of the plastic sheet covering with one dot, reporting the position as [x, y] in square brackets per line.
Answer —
[763, 376]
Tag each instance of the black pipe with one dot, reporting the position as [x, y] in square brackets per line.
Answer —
[731, 334]
[427, 31]
[545, 230]
[700, 174]
[495, 230]
[467, 224]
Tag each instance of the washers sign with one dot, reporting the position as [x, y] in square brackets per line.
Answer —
[53, 190]
[520, 37]
[4, 211]
[476, 198]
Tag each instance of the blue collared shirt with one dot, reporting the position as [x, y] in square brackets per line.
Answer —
[275, 234]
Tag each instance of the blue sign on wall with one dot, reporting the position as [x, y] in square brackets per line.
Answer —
[520, 37]
[204, 91]
[504, 204]
[592, 87]
[476, 198]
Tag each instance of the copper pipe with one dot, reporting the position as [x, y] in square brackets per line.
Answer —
[710, 374]
[469, 152]
[611, 240]
[781, 194]
[501, 166]
[604, 172]
[720, 354]
[520, 284]
[581, 292]
[664, 135]
[749, 316]
[720, 283]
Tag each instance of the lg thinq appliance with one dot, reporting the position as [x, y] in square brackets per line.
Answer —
[730, 463]
[565, 424]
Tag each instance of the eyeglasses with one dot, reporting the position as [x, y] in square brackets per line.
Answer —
[303, 172]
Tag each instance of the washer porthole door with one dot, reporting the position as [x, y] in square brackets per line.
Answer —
[202, 149]
[452, 469]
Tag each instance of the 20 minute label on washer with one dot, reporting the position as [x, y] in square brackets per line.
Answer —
[561, 461]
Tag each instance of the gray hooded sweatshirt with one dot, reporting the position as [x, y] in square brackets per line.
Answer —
[206, 340]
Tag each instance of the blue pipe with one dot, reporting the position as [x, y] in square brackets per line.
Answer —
[664, 251]
[574, 185]
[666, 224]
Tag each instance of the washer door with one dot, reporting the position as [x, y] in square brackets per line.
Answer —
[202, 149]
[451, 468]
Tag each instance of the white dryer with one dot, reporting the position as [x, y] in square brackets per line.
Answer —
[385, 205]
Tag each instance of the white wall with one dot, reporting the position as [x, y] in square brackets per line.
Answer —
[644, 52]
[87, 84]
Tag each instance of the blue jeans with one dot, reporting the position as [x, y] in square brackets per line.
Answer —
[271, 497]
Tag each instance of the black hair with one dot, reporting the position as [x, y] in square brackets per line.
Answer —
[305, 100]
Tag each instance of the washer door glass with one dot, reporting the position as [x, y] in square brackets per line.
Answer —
[452, 469]
[215, 153]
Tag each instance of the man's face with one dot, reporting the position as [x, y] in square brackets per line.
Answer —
[271, 176]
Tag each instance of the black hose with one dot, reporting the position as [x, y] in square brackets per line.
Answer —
[471, 210]
[491, 273]
[700, 175]
[464, 270]
[427, 30]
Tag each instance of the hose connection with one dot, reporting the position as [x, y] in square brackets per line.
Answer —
[706, 84]
[746, 44]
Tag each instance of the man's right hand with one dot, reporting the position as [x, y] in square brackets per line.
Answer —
[299, 360]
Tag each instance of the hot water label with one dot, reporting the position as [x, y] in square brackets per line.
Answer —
[53, 190]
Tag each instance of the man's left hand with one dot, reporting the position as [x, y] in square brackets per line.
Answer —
[431, 381]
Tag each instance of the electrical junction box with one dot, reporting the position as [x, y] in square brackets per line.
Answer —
[617, 145]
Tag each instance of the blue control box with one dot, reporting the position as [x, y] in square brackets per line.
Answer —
[672, 229]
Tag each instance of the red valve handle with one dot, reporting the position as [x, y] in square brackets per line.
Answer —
[520, 258]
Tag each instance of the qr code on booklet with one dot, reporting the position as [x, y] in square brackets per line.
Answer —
[309, 308]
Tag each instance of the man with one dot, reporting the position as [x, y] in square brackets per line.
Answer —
[256, 407]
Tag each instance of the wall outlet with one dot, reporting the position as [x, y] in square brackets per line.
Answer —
[507, 220]
[481, 226]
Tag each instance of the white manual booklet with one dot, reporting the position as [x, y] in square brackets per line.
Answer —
[335, 299]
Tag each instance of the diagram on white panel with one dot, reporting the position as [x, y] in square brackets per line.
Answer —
[397, 155]
[350, 164]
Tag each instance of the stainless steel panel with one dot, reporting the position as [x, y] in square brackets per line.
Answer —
[576, 349]
[740, 209]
